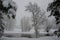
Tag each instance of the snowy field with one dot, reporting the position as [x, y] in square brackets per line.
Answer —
[41, 38]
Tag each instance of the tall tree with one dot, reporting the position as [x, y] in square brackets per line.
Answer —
[37, 15]
[54, 7]
[5, 8]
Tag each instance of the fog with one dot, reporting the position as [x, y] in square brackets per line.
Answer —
[21, 7]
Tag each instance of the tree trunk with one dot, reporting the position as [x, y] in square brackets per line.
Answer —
[35, 26]
[36, 31]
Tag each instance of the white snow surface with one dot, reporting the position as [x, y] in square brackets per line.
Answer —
[7, 2]
[41, 38]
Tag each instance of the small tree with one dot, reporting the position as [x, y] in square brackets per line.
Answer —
[25, 24]
[38, 16]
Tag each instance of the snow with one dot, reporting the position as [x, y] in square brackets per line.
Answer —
[11, 32]
[41, 30]
[13, 4]
[6, 3]
[11, 11]
[32, 30]
[41, 38]
[52, 30]
[43, 33]
[19, 32]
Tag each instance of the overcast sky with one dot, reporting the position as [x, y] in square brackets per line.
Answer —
[21, 3]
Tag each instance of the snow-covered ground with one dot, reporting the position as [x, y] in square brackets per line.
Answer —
[18, 33]
[41, 38]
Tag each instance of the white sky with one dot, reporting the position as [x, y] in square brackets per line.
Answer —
[21, 3]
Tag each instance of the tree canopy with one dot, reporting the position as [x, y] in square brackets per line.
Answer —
[54, 7]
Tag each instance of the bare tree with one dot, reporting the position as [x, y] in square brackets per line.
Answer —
[38, 15]
[25, 24]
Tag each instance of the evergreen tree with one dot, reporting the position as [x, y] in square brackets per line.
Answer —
[54, 7]
[5, 6]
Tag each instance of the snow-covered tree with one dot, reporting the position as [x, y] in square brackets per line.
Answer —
[9, 21]
[37, 15]
[54, 7]
[7, 7]
[25, 24]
